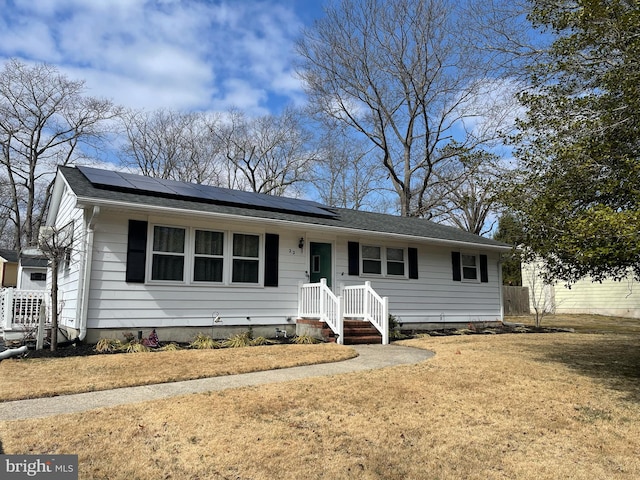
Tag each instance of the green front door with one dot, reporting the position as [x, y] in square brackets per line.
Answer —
[320, 262]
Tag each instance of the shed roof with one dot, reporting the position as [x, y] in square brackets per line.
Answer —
[9, 255]
[89, 193]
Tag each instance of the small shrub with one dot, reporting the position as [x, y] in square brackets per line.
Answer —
[135, 347]
[305, 340]
[238, 341]
[128, 337]
[204, 342]
[261, 341]
[108, 345]
[170, 347]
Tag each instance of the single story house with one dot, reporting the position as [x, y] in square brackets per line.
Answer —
[183, 258]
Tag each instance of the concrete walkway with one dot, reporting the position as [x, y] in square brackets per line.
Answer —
[369, 357]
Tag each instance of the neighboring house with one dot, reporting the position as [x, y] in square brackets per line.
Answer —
[185, 258]
[24, 282]
[8, 268]
[32, 270]
[26, 271]
[609, 297]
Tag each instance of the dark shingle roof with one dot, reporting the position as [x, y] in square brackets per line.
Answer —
[9, 255]
[345, 218]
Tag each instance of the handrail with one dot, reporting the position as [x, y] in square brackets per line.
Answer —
[316, 300]
[362, 301]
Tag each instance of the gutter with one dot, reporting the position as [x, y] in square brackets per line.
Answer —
[85, 276]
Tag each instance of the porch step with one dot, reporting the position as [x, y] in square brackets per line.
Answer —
[358, 332]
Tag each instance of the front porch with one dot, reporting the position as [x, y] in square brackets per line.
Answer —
[357, 315]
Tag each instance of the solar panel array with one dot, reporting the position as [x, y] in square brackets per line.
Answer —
[205, 193]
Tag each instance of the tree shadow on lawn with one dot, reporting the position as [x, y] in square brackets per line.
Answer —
[613, 361]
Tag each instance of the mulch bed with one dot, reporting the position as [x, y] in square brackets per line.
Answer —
[71, 349]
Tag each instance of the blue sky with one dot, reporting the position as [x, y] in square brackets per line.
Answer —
[180, 55]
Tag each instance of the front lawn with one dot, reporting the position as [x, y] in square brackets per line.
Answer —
[529, 406]
[46, 377]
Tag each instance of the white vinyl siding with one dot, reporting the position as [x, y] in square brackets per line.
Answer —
[609, 297]
[69, 273]
[115, 304]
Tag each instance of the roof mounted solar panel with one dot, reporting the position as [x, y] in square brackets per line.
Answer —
[203, 193]
[105, 177]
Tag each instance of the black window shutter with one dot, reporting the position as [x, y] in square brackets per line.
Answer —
[271, 253]
[136, 251]
[484, 273]
[455, 265]
[413, 263]
[354, 258]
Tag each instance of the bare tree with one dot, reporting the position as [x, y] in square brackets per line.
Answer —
[55, 244]
[346, 174]
[45, 121]
[170, 145]
[404, 75]
[467, 196]
[269, 154]
[541, 297]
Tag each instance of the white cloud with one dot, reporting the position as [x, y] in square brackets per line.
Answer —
[162, 53]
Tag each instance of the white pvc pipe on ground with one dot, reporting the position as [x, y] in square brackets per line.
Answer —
[10, 352]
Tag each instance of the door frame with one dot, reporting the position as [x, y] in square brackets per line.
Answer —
[330, 280]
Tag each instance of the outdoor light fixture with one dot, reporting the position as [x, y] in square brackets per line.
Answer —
[301, 243]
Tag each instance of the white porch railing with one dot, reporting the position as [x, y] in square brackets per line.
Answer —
[362, 301]
[316, 300]
[20, 309]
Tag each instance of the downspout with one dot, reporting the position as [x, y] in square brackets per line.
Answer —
[85, 277]
[501, 295]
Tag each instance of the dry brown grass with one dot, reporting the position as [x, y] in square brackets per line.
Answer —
[586, 323]
[32, 378]
[532, 406]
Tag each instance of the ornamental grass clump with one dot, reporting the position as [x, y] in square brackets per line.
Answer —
[135, 346]
[305, 340]
[204, 342]
[239, 340]
[108, 345]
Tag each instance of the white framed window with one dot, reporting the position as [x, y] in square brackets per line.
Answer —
[199, 256]
[168, 253]
[385, 261]
[470, 265]
[208, 260]
[245, 258]
[371, 260]
[396, 259]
